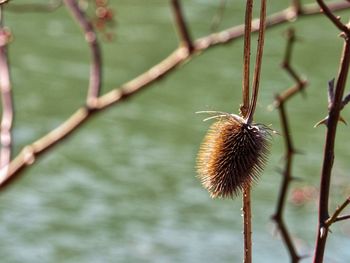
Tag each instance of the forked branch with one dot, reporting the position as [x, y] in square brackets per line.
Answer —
[335, 217]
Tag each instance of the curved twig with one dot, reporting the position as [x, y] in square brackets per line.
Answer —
[96, 60]
[289, 146]
[246, 58]
[258, 62]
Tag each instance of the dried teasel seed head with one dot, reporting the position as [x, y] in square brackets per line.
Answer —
[232, 155]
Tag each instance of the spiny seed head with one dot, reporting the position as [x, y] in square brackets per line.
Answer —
[232, 156]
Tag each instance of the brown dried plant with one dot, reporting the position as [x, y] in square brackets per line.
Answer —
[231, 133]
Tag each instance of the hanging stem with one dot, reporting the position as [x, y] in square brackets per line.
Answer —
[258, 61]
[247, 211]
[246, 58]
[247, 225]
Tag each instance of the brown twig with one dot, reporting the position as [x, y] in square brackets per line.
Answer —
[335, 20]
[286, 64]
[287, 178]
[335, 216]
[289, 146]
[28, 156]
[341, 218]
[6, 100]
[246, 194]
[332, 123]
[96, 60]
[246, 58]
[258, 62]
[247, 214]
[247, 224]
[182, 26]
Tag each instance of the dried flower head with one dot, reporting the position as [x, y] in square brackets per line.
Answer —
[232, 155]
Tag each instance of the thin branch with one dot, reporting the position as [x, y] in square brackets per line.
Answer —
[289, 146]
[6, 98]
[141, 82]
[246, 197]
[182, 26]
[246, 58]
[328, 157]
[258, 62]
[247, 224]
[335, 216]
[341, 218]
[335, 20]
[96, 60]
[287, 178]
[286, 64]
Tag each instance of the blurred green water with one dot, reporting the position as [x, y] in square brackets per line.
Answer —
[123, 189]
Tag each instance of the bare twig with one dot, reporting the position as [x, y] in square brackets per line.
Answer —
[96, 60]
[335, 216]
[247, 214]
[246, 58]
[287, 178]
[246, 197]
[286, 64]
[182, 26]
[258, 62]
[341, 218]
[335, 20]
[6, 98]
[328, 157]
[27, 156]
[247, 224]
[289, 146]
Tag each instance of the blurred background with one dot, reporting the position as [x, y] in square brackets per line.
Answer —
[124, 187]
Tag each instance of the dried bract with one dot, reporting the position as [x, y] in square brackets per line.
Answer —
[232, 155]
